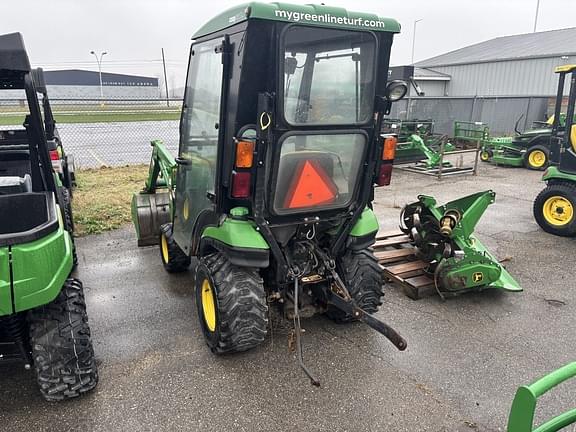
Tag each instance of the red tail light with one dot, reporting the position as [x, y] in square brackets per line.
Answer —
[385, 174]
[54, 155]
[241, 182]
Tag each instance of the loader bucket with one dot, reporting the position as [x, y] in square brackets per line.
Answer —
[149, 212]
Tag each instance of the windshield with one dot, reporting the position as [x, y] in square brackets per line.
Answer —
[328, 76]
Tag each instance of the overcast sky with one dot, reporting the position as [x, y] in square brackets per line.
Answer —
[60, 34]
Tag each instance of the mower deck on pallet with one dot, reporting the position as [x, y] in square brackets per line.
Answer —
[43, 320]
[272, 187]
[437, 251]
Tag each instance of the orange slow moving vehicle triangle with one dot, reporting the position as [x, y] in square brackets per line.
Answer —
[311, 187]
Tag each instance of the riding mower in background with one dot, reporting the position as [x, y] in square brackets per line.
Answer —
[43, 321]
[273, 184]
[555, 206]
[457, 261]
[521, 417]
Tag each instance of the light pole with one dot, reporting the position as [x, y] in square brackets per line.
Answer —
[414, 38]
[99, 61]
[536, 16]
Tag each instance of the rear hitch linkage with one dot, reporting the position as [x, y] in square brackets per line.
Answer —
[338, 296]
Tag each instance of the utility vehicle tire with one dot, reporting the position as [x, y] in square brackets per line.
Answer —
[555, 209]
[173, 258]
[231, 303]
[537, 158]
[69, 221]
[486, 155]
[362, 274]
[61, 346]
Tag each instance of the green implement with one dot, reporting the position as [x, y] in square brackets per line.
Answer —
[443, 235]
[521, 417]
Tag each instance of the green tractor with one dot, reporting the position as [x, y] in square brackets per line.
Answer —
[43, 321]
[273, 184]
[555, 206]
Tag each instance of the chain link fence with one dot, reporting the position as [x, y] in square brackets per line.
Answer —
[105, 132]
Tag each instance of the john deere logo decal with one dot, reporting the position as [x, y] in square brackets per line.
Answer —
[477, 277]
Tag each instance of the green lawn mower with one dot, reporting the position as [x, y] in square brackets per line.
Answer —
[43, 321]
[555, 206]
[280, 148]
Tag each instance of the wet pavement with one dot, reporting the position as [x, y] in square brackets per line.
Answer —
[465, 359]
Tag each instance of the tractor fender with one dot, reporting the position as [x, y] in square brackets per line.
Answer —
[239, 240]
[363, 233]
[553, 174]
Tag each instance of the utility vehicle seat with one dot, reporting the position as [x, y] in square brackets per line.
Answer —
[14, 184]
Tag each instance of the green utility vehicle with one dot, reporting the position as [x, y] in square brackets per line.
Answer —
[43, 321]
[280, 148]
[555, 206]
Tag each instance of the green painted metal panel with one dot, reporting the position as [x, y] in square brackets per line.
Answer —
[521, 417]
[5, 292]
[553, 173]
[366, 224]
[316, 15]
[40, 268]
[237, 233]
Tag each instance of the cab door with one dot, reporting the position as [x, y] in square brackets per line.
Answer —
[199, 132]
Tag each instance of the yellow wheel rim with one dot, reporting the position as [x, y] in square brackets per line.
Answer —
[208, 306]
[186, 209]
[164, 247]
[558, 211]
[484, 156]
[537, 158]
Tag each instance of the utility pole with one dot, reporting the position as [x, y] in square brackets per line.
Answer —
[165, 79]
[536, 17]
[414, 38]
[99, 61]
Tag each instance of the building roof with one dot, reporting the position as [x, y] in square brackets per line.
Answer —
[317, 15]
[79, 77]
[553, 43]
[425, 74]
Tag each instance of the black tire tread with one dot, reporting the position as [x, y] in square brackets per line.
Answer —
[61, 345]
[241, 301]
[563, 188]
[178, 261]
[362, 274]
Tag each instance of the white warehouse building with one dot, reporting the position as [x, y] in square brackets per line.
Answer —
[519, 65]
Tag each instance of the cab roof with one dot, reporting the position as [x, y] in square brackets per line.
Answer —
[13, 53]
[315, 15]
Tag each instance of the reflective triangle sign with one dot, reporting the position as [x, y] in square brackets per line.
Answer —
[311, 187]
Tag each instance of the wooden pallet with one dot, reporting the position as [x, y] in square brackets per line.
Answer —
[400, 264]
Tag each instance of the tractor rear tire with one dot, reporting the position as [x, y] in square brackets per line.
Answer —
[555, 209]
[362, 275]
[537, 158]
[231, 303]
[61, 346]
[173, 258]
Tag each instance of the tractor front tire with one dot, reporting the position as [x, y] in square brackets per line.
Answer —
[231, 303]
[362, 275]
[61, 346]
[555, 209]
[173, 258]
[537, 158]
[486, 155]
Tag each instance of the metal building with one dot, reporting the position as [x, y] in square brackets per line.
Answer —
[519, 65]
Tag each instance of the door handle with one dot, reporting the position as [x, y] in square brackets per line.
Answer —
[181, 161]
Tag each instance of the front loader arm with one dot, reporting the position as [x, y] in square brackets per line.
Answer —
[162, 162]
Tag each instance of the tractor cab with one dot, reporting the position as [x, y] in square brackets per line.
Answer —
[555, 206]
[279, 153]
